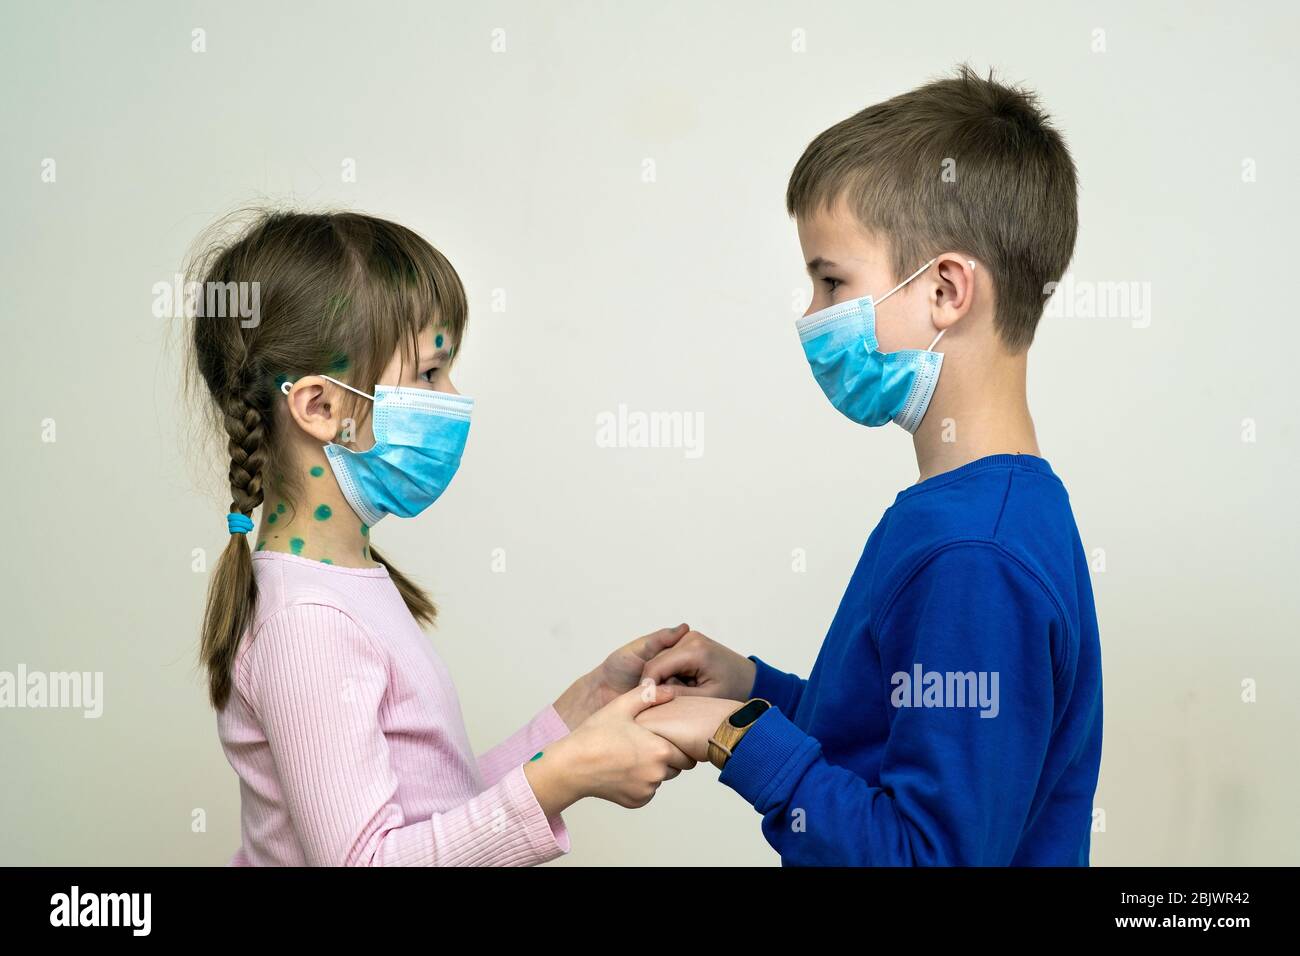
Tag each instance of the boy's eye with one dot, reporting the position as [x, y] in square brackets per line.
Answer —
[832, 284]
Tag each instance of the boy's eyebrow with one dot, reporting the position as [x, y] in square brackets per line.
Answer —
[820, 263]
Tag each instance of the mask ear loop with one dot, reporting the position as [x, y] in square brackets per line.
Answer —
[288, 385]
[905, 282]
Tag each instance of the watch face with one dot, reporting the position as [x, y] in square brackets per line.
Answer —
[749, 713]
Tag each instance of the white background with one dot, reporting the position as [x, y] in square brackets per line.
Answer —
[526, 168]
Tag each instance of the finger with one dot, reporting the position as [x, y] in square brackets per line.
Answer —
[643, 696]
[678, 662]
[673, 772]
[680, 760]
[681, 689]
[650, 645]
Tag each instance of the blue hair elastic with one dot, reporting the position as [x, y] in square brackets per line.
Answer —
[239, 524]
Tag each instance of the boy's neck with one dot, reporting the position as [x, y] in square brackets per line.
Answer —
[973, 418]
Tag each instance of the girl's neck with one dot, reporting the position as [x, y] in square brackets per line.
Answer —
[326, 530]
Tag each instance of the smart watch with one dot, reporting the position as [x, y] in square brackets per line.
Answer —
[729, 732]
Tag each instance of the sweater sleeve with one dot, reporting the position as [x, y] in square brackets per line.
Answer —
[521, 746]
[317, 682]
[956, 782]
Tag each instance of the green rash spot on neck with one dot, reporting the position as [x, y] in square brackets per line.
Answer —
[279, 509]
[537, 756]
[261, 545]
[323, 512]
[270, 519]
[326, 561]
[295, 545]
[317, 471]
[338, 364]
[365, 530]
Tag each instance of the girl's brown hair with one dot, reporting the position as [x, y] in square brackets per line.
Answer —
[334, 292]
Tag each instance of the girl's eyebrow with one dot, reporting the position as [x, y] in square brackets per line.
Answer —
[441, 355]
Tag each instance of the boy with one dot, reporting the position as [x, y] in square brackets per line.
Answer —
[953, 715]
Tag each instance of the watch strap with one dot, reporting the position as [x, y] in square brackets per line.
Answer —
[727, 736]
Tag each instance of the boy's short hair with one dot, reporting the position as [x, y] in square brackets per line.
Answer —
[962, 163]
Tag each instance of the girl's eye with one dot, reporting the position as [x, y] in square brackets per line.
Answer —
[430, 375]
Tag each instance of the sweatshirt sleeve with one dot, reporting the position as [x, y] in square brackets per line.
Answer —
[520, 747]
[776, 687]
[318, 681]
[956, 782]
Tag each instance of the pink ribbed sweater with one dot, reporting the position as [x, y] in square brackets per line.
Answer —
[347, 735]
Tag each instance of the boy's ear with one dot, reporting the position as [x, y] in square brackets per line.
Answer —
[311, 408]
[954, 289]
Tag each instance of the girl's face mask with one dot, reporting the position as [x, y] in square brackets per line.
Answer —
[419, 438]
[867, 385]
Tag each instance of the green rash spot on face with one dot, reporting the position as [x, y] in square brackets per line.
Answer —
[317, 471]
[270, 519]
[437, 341]
[323, 513]
[295, 545]
[537, 756]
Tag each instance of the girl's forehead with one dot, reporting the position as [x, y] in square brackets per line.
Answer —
[434, 338]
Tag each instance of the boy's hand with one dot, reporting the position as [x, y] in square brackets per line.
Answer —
[705, 667]
[688, 722]
[616, 675]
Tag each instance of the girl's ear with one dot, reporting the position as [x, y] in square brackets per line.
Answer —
[313, 406]
[954, 290]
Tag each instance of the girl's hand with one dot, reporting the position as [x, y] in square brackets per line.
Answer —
[689, 722]
[608, 756]
[616, 675]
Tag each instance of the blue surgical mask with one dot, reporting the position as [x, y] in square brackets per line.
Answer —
[419, 438]
[867, 385]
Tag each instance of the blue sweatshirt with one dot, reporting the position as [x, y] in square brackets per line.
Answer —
[953, 715]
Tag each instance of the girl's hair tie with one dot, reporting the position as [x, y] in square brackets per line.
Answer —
[239, 524]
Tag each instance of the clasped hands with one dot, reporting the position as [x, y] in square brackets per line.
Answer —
[650, 708]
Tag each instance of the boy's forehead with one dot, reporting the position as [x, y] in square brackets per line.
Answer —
[833, 234]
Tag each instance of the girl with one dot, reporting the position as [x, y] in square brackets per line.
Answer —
[340, 719]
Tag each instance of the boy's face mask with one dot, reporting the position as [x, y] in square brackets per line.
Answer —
[419, 438]
[869, 386]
